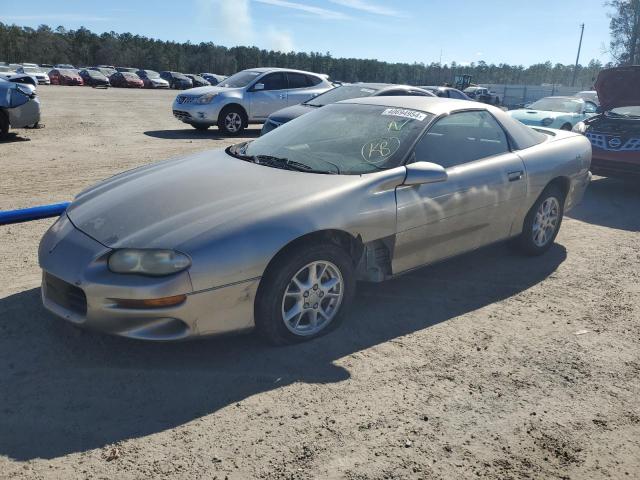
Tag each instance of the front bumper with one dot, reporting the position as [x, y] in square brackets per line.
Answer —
[78, 286]
[578, 188]
[206, 114]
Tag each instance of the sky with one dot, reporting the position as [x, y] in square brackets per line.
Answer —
[520, 32]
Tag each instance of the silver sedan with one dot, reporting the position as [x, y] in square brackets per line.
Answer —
[274, 233]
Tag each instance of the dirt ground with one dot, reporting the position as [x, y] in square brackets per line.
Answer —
[490, 365]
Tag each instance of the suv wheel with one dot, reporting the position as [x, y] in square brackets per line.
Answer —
[231, 121]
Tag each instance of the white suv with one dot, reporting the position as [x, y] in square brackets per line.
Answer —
[249, 96]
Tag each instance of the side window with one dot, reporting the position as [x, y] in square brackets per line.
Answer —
[462, 138]
[393, 93]
[297, 80]
[313, 81]
[274, 81]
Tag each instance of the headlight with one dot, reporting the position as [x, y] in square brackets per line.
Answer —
[148, 262]
[579, 127]
[547, 121]
[206, 98]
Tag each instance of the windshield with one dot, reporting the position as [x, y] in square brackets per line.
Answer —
[67, 72]
[626, 111]
[240, 79]
[151, 74]
[341, 93]
[591, 96]
[31, 69]
[565, 105]
[342, 138]
[130, 76]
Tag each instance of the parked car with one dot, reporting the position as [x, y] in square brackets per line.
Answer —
[62, 76]
[249, 96]
[126, 80]
[94, 78]
[337, 94]
[589, 96]
[64, 66]
[6, 72]
[46, 67]
[176, 80]
[40, 75]
[127, 69]
[197, 80]
[151, 79]
[274, 233]
[483, 94]
[19, 106]
[555, 112]
[615, 133]
[212, 78]
[447, 92]
[106, 71]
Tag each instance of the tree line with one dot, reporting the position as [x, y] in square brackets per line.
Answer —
[82, 47]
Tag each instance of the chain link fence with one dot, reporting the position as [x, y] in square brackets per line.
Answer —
[517, 95]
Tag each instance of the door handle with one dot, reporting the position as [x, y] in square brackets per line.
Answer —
[515, 176]
[283, 95]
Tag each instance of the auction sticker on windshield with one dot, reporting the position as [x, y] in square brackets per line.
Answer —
[403, 112]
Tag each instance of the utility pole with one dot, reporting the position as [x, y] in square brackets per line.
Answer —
[575, 69]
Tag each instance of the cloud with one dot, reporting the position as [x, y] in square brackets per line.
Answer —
[316, 11]
[279, 40]
[365, 6]
[234, 20]
[55, 17]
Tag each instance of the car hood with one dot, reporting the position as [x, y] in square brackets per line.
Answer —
[618, 87]
[289, 113]
[166, 204]
[195, 92]
[528, 113]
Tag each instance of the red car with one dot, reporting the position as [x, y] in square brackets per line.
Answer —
[126, 80]
[61, 76]
[615, 132]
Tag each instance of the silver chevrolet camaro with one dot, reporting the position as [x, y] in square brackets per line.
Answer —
[274, 233]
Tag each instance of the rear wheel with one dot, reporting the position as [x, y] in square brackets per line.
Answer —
[305, 294]
[542, 223]
[231, 121]
[566, 126]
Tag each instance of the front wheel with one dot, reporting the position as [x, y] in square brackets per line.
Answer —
[542, 223]
[231, 121]
[304, 294]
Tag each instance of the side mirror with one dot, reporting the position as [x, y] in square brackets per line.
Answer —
[419, 173]
[258, 86]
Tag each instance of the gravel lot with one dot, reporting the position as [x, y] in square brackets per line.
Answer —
[475, 367]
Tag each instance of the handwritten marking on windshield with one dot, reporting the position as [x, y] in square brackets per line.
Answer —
[378, 150]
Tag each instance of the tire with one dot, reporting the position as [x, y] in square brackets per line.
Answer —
[200, 127]
[566, 126]
[530, 241]
[4, 125]
[231, 121]
[271, 307]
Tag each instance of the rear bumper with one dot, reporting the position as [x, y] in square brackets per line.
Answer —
[25, 115]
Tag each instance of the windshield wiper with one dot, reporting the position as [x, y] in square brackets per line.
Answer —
[285, 163]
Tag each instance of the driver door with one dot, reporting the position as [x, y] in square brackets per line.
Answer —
[267, 95]
[477, 203]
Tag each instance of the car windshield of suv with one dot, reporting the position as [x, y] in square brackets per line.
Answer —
[240, 79]
[633, 112]
[341, 138]
[564, 105]
[341, 93]
[151, 74]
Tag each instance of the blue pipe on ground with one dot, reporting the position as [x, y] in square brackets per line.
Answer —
[33, 213]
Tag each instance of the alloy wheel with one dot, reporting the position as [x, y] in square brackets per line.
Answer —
[233, 122]
[546, 221]
[312, 298]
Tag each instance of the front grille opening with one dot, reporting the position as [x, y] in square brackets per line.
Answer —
[66, 295]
